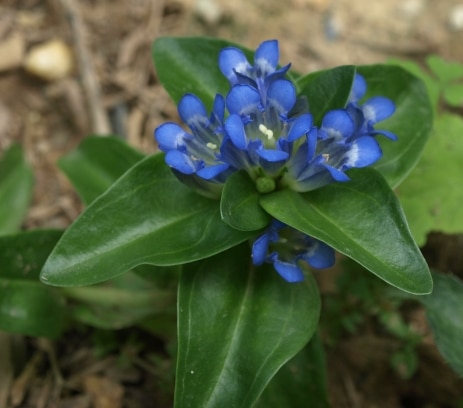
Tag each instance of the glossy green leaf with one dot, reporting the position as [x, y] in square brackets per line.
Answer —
[239, 205]
[432, 195]
[146, 217]
[301, 382]
[16, 183]
[97, 163]
[444, 309]
[22, 255]
[30, 308]
[190, 65]
[237, 327]
[411, 122]
[327, 90]
[361, 219]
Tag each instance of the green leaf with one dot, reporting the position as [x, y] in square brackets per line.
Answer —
[239, 206]
[237, 327]
[22, 255]
[327, 90]
[361, 219]
[190, 65]
[301, 382]
[432, 86]
[121, 302]
[432, 195]
[97, 163]
[445, 71]
[453, 95]
[26, 306]
[30, 308]
[16, 183]
[444, 309]
[411, 122]
[146, 217]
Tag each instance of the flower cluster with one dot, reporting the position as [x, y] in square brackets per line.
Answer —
[269, 133]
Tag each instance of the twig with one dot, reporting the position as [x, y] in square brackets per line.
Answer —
[6, 368]
[98, 117]
[21, 384]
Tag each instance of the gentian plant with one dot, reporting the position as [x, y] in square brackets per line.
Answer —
[267, 174]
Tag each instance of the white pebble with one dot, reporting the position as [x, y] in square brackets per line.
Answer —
[209, 11]
[456, 18]
[411, 8]
[51, 60]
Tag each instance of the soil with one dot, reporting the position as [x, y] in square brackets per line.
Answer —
[111, 88]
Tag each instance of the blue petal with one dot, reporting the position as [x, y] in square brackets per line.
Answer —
[289, 272]
[192, 110]
[272, 155]
[312, 137]
[180, 162]
[299, 127]
[235, 129]
[337, 175]
[243, 99]
[218, 111]
[278, 74]
[363, 152]
[209, 172]
[338, 124]
[386, 133]
[230, 60]
[378, 108]
[266, 56]
[320, 256]
[170, 136]
[298, 161]
[282, 95]
[260, 248]
[359, 88]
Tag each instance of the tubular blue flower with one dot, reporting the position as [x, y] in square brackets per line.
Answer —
[259, 135]
[372, 111]
[236, 67]
[198, 152]
[329, 152]
[286, 247]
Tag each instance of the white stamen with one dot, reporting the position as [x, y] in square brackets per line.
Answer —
[267, 132]
[326, 156]
[211, 146]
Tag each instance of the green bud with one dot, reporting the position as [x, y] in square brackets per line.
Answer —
[265, 185]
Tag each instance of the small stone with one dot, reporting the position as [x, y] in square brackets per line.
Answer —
[208, 11]
[50, 61]
[456, 18]
[411, 8]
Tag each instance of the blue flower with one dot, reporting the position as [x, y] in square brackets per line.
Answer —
[372, 111]
[285, 248]
[330, 151]
[235, 66]
[198, 152]
[259, 134]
